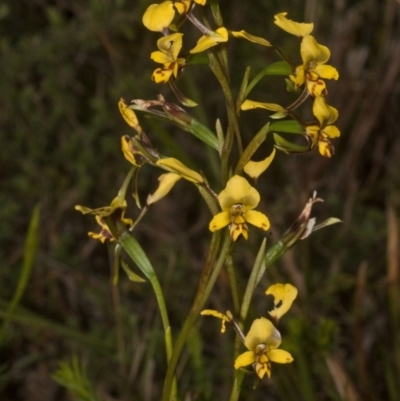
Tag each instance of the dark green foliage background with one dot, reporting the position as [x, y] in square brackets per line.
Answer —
[64, 66]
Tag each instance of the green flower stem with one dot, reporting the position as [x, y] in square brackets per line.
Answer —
[201, 297]
[275, 252]
[237, 385]
[209, 198]
[117, 260]
[243, 86]
[283, 55]
[140, 217]
[205, 30]
[299, 101]
[230, 268]
[222, 55]
[251, 148]
[116, 301]
[125, 184]
[233, 126]
[256, 273]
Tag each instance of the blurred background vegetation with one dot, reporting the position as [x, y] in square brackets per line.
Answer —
[64, 66]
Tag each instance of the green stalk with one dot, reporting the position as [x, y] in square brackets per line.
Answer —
[230, 268]
[255, 276]
[237, 385]
[241, 96]
[233, 126]
[252, 147]
[202, 295]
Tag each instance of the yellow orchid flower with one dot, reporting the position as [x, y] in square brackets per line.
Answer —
[169, 48]
[175, 166]
[225, 318]
[262, 342]
[184, 6]
[294, 28]
[314, 57]
[322, 133]
[167, 181]
[158, 17]
[115, 210]
[210, 39]
[284, 295]
[255, 169]
[237, 202]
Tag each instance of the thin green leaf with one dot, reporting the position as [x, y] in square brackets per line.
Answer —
[30, 250]
[220, 136]
[278, 68]
[137, 254]
[327, 222]
[289, 147]
[289, 126]
[242, 90]
[198, 58]
[203, 133]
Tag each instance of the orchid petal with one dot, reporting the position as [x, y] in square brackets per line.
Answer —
[210, 40]
[167, 182]
[324, 113]
[331, 131]
[258, 219]
[280, 356]
[238, 191]
[284, 294]
[175, 166]
[312, 51]
[255, 169]
[294, 28]
[251, 38]
[158, 17]
[219, 221]
[262, 331]
[327, 72]
[245, 359]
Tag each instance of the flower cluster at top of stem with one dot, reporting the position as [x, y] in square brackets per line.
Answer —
[311, 74]
[159, 18]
